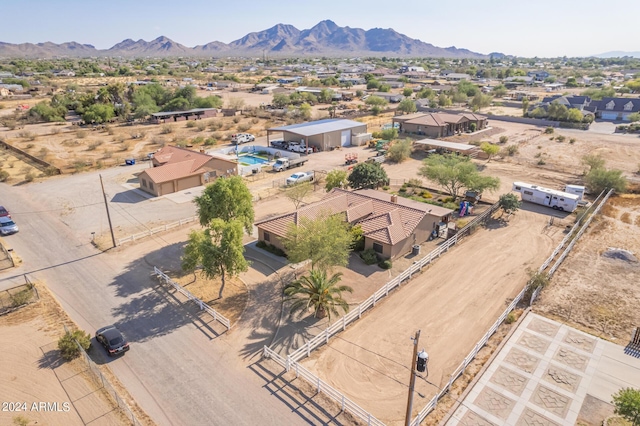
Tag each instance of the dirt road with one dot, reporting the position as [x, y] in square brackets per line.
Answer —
[454, 303]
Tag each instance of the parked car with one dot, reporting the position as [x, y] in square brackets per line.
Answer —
[279, 144]
[298, 147]
[7, 226]
[112, 340]
[239, 138]
[4, 212]
[299, 178]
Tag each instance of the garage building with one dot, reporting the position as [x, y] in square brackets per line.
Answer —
[322, 134]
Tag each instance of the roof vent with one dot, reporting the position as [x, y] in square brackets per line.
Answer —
[394, 198]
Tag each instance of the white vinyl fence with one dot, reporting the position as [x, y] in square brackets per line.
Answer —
[217, 316]
[345, 403]
[355, 314]
[460, 370]
[150, 232]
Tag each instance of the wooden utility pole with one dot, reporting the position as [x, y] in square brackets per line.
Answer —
[106, 205]
[412, 380]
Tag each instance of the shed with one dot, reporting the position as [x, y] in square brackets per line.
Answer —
[322, 134]
[460, 148]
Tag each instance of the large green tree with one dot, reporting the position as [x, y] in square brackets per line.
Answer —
[227, 199]
[480, 101]
[317, 292]
[489, 149]
[325, 241]
[407, 106]
[627, 403]
[454, 173]
[600, 179]
[98, 113]
[509, 202]
[336, 179]
[218, 249]
[400, 151]
[367, 175]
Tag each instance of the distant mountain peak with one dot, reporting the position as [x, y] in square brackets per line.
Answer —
[326, 38]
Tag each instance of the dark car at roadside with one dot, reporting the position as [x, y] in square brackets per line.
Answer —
[112, 340]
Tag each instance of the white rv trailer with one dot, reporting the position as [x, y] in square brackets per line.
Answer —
[575, 190]
[557, 200]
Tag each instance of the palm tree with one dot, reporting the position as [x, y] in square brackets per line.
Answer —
[318, 292]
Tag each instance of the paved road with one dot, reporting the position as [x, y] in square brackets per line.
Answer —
[180, 370]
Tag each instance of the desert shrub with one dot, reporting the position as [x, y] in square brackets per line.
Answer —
[43, 152]
[21, 420]
[124, 145]
[236, 119]
[166, 129]
[541, 162]
[255, 120]
[271, 248]
[81, 134]
[79, 165]
[118, 139]
[369, 256]
[451, 206]
[357, 238]
[217, 135]
[158, 141]
[182, 143]
[244, 127]
[69, 348]
[536, 280]
[210, 141]
[109, 130]
[504, 139]
[4, 175]
[385, 264]
[107, 154]
[30, 146]
[403, 189]
[198, 140]
[561, 138]
[572, 141]
[201, 126]
[511, 150]
[29, 177]
[549, 130]
[385, 188]
[50, 171]
[191, 124]
[99, 164]
[27, 135]
[215, 125]
[511, 318]
[94, 145]
[475, 143]
[426, 195]
[22, 297]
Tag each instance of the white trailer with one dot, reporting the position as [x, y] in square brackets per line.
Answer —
[575, 190]
[555, 199]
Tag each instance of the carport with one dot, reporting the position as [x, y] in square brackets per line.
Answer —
[443, 146]
[322, 135]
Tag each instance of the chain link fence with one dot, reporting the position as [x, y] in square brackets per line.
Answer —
[101, 380]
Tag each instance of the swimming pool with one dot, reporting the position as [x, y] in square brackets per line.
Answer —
[251, 159]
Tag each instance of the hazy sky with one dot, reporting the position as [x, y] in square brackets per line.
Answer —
[524, 28]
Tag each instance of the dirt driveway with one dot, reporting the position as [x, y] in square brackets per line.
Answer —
[454, 303]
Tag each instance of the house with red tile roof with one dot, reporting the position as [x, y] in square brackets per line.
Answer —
[175, 169]
[391, 225]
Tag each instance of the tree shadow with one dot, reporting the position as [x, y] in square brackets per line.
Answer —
[496, 223]
[51, 359]
[152, 308]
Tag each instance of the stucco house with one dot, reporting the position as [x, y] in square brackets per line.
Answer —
[391, 224]
[175, 169]
[438, 125]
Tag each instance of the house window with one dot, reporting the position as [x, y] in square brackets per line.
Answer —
[266, 236]
[150, 185]
[528, 192]
[377, 248]
[144, 183]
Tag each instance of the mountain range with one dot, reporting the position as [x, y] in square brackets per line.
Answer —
[618, 54]
[325, 38]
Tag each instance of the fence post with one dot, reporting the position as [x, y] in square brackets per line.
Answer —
[201, 307]
[342, 407]
[326, 333]
[359, 311]
[309, 348]
[297, 370]
[319, 384]
[344, 323]
[450, 382]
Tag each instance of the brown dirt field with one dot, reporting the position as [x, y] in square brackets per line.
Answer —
[593, 292]
[16, 167]
[453, 302]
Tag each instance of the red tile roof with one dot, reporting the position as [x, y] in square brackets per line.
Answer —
[381, 219]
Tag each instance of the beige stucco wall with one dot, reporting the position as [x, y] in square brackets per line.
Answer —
[430, 131]
[274, 240]
[188, 182]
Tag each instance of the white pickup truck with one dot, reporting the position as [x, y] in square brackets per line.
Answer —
[299, 178]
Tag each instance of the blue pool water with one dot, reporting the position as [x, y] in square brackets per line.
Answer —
[250, 159]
